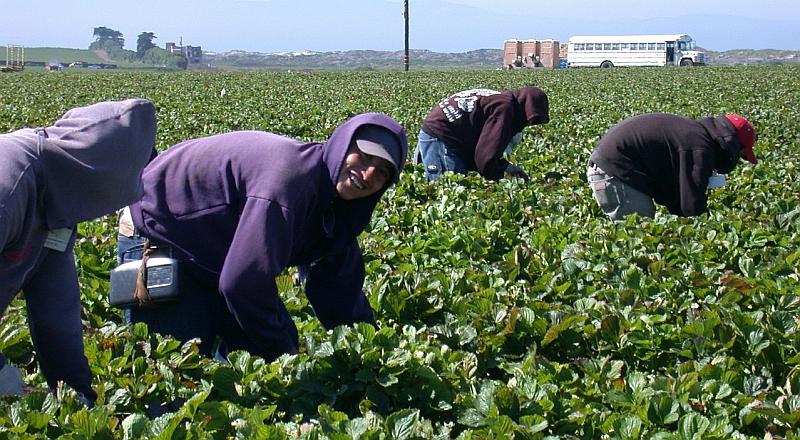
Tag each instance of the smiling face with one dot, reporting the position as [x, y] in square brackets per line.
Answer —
[362, 175]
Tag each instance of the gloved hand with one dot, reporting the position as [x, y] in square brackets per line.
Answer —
[517, 138]
[513, 171]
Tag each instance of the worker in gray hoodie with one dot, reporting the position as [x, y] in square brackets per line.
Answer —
[87, 164]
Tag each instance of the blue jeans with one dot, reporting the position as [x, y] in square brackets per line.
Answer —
[200, 312]
[437, 157]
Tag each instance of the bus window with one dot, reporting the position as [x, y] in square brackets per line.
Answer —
[606, 46]
[661, 46]
[614, 46]
[642, 46]
[623, 46]
[651, 46]
[633, 46]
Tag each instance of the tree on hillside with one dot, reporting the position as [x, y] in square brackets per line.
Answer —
[145, 43]
[104, 35]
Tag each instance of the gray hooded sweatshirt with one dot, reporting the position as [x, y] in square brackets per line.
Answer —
[87, 164]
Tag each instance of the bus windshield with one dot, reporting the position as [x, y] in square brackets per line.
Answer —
[686, 45]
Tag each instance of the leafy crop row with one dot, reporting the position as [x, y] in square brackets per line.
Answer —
[504, 309]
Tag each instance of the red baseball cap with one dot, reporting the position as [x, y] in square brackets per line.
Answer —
[746, 134]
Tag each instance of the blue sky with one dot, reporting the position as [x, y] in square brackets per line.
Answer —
[439, 25]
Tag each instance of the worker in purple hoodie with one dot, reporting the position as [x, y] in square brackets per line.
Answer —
[473, 130]
[87, 164]
[238, 209]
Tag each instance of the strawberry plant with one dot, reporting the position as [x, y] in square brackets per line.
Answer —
[506, 309]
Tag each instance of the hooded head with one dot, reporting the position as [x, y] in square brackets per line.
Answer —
[380, 142]
[531, 107]
[746, 135]
[92, 159]
[375, 132]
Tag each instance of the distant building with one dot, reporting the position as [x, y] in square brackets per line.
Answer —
[193, 54]
[519, 54]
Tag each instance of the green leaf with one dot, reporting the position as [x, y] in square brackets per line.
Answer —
[37, 419]
[472, 417]
[663, 410]
[533, 424]
[401, 424]
[628, 427]
[555, 330]
[134, 426]
[190, 407]
[692, 426]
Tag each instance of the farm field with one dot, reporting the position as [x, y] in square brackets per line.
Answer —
[504, 310]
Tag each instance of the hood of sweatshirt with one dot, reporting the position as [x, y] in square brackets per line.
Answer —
[532, 107]
[729, 149]
[352, 216]
[91, 159]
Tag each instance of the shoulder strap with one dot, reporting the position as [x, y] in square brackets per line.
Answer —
[141, 293]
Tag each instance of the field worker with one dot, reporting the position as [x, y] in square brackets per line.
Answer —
[473, 129]
[237, 209]
[88, 164]
[668, 159]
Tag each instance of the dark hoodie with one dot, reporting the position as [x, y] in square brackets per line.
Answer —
[87, 164]
[669, 157]
[241, 207]
[478, 124]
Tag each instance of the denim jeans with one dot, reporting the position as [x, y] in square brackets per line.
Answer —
[200, 312]
[10, 379]
[616, 198]
[437, 157]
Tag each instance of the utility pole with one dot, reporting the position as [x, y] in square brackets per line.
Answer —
[405, 15]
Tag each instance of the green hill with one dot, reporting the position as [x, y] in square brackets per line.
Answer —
[63, 55]
[66, 56]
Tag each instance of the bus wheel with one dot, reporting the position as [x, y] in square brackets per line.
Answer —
[606, 64]
[687, 62]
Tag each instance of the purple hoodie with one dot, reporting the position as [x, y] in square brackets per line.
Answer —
[244, 206]
[87, 164]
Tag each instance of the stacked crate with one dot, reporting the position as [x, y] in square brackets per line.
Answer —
[530, 53]
[513, 48]
[534, 53]
[549, 51]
